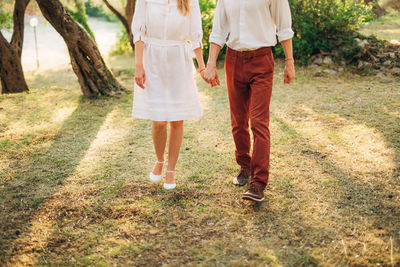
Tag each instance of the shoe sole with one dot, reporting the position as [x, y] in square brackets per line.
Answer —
[252, 198]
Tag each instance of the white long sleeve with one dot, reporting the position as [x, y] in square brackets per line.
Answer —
[139, 21]
[251, 24]
[220, 25]
[196, 28]
[281, 15]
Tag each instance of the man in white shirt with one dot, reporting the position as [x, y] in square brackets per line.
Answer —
[249, 29]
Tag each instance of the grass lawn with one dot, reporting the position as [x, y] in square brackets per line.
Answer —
[74, 188]
[386, 27]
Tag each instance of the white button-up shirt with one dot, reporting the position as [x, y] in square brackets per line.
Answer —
[251, 24]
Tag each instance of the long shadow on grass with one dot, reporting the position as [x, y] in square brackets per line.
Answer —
[354, 199]
[45, 172]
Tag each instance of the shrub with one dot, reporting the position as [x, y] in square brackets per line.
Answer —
[123, 45]
[325, 25]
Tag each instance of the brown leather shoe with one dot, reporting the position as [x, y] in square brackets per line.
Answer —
[242, 178]
[254, 193]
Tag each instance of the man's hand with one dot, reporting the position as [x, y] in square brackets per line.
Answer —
[210, 75]
[289, 72]
[140, 76]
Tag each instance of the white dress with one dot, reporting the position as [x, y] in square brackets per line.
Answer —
[170, 92]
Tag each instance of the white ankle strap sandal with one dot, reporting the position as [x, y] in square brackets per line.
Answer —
[156, 178]
[169, 186]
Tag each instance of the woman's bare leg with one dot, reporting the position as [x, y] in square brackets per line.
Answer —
[174, 147]
[159, 133]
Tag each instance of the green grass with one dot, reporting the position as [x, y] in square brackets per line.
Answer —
[74, 188]
[386, 27]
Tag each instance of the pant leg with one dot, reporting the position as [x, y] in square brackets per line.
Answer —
[260, 70]
[239, 96]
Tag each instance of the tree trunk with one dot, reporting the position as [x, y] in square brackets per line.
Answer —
[125, 20]
[130, 10]
[378, 10]
[11, 73]
[93, 75]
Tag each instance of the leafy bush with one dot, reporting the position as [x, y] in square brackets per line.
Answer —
[325, 25]
[123, 45]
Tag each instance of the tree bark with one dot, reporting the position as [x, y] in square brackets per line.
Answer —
[378, 10]
[94, 77]
[125, 20]
[11, 72]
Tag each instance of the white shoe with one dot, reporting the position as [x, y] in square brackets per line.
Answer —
[169, 186]
[156, 178]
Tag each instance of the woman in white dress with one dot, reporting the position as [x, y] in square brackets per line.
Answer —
[167, 35]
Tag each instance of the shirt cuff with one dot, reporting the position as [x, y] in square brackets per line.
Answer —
[197, 42]
[139, 34]
[217, 39]
[137, 37]
[196, 45]
[285, 34]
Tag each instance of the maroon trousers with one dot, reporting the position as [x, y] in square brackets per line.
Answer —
[249, 78]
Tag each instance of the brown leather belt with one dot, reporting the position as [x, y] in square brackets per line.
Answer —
[249, 54]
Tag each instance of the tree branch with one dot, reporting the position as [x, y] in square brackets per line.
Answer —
[17, 38]
[124, 20]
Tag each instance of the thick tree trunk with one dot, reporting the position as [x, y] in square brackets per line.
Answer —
[125, 20]
[11, 73]
[93, 75]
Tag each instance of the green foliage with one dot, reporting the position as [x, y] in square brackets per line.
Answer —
[81, 17]
[5, 19]
[207, 8]
[123, 45]
[325, 25]
[98, 12]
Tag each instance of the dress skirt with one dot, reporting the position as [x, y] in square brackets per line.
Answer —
[170, 92]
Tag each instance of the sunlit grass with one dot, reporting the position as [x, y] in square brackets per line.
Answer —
[386, 27]
[74, 188]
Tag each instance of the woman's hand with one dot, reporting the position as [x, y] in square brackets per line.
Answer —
[210, 75]
[140, 76]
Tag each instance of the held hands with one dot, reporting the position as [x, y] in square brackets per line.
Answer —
[140, 76]
[289, 71]
[210, 75]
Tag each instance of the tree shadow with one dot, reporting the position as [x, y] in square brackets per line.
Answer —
[353, 199]
[39, 177]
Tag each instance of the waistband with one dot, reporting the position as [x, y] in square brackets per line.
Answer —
[249, 54]
[189, 54]
[165, 42]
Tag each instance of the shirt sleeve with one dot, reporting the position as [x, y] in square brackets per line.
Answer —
[220, 28]
[281, 15]
[139, 21]
[196, 29]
